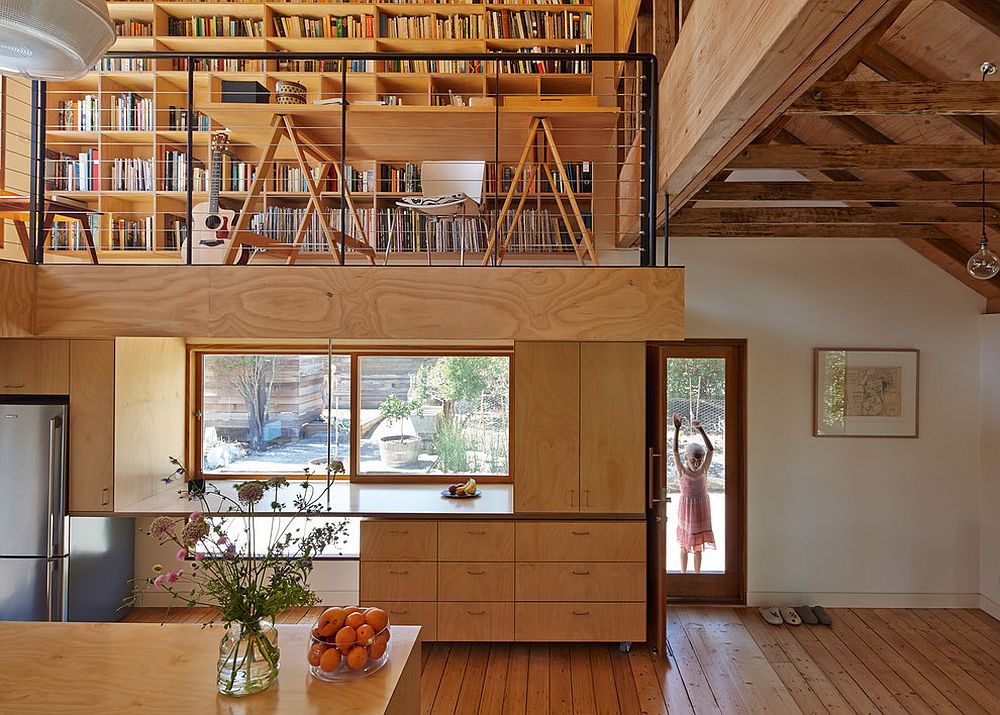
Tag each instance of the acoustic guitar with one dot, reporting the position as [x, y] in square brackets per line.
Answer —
[212, 227]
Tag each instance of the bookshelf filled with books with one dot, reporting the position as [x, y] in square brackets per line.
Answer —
[116, 140]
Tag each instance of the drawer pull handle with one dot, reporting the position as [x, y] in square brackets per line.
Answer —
[399, 573]
[15, 387]
[476, 613]
[581, 613]
[580, 533]
[475, 573]
[399, 532]
[580, 573]
[475, 533]
[398, 613]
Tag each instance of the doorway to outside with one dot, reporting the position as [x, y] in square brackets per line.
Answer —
[697, 513]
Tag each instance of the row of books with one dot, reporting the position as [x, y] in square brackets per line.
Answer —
[288, 178]
[325, 66]
[124, 64]
[236, 175]
[427, 27]
[83, 115]
[132, 112]
[130, 174]
[174, 231]
[403, 179]
[562, 66]
[218, 65]
[133, 28]
[218, 26]
[173, 167]
[539, 24]
[579, 173]
[177, 120]
[331, 26]
[65, 172]
[68, 235]
[433, 66]
[131, 233]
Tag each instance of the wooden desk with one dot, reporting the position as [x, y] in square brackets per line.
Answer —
[126, 668]
[16, 208]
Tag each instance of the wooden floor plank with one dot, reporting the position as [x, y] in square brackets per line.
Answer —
[605, 691]
[516, 690]
[902, 667]
[433, 671]
[647, 689]
[834, 671]
[582, 678]
[987, 626]
[962, 636]
[672, 688]
[560, 681]
[692, 674]
[491, 702]
[537, 700]
[446, 699]
[473, 678]
[628, 699]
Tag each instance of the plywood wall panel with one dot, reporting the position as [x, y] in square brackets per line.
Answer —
[17, 300]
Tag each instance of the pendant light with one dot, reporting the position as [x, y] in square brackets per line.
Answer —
[53, 39]
[984, 264]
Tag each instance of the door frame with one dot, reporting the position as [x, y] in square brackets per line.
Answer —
[735, 350]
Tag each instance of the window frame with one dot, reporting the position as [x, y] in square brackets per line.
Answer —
[194, 434]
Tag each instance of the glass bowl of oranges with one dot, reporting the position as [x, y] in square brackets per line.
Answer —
[348, 643]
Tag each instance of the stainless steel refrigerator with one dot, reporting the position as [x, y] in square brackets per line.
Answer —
[53, 568]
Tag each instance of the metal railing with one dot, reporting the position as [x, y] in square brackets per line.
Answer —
[569, 159]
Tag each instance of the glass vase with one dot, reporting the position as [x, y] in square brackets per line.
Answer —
[248, 658]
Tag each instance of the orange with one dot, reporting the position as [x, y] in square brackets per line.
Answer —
[355, 619]
[377, 618]
[346, 637]
[365, 634]
[377, 649]
[357, 657]
[331, 621]
[330, 660]
[316, 651]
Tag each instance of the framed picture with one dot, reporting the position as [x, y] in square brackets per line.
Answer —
[871, 392]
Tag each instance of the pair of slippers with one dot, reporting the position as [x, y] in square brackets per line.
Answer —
[810, 615]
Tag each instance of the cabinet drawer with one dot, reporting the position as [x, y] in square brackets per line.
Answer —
[579, 622]
[398, 581]
[475, 621]
[398, 540]
[476, 581]
[410, 613]
[34, 367]
[580, 582]
[475, 541]
[580, 541]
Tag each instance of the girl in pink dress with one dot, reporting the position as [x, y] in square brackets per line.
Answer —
[694, 513]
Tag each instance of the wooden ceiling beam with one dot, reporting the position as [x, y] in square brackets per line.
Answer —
[833, 215]
[867, 156]
[914, 232]
[861, 98]
[984, 12]
[737, 65]
[853, 190]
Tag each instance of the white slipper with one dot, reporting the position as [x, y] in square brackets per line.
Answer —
[772, 615]
[790, 617]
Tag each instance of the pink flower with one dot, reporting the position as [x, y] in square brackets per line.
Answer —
[161, 526]
[158, 581]
[199, 556]
[182, 554]
[196, 515]
[172, 576]
[222, 540]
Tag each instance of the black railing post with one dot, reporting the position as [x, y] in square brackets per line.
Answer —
[650, 154]
[343, 164]
[31, 256]
[189, 164]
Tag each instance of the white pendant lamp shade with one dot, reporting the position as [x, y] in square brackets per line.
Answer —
[53, 39]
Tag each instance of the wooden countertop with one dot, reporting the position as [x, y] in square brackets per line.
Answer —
[126, 668]
[352, 499]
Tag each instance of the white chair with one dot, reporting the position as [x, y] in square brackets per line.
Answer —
[450, 191]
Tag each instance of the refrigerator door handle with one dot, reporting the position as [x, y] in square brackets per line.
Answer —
[55, 590]
[55, 482]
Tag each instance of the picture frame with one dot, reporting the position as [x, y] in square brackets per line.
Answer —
[866, 392]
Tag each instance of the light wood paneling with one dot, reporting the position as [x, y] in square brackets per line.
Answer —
[475, 541]
[475, 621]
[612, 427]
[483, 581]
[34, 367]
[398, 581]
[361, 303]
[410, 613]
[580, 541]
[579, 622]
[91, 425]
[585, 581]
[150, 389]
[398, 540]
[17, 310]
[546, 427]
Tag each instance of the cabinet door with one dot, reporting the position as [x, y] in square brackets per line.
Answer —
[34, 367]
[91, 425]
[612, 427]
[546, 427]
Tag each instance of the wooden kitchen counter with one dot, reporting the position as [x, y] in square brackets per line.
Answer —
[126, 668]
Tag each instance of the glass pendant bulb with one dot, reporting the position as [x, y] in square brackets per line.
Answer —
[984, 264]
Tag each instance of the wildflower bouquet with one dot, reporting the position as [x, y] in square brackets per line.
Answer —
[249, 577]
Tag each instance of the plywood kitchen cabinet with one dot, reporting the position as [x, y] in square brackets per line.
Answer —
[34, 367]
[546, 427]
[91, 425]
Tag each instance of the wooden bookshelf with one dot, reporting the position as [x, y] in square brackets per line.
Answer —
[282, 26]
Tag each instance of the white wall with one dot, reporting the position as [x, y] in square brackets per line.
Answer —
[989, 380]
[859, 522]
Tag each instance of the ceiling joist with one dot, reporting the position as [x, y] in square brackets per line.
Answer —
[851, 190]
[861, 98]
[822, 215]
[868, 156]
